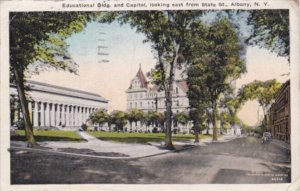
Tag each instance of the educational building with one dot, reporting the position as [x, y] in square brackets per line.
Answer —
[56, 106]
[279, 114]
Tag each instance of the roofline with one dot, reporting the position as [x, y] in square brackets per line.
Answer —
[67, 89]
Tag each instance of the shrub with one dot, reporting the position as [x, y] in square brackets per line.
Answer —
[84, 127]
[155, 130]
[20, 124]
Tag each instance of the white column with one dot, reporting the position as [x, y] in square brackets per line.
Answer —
[53, 114]
[75, 116]
[79, 115]
[86, 114]
[63, 121]
[67, 119]
[42, 114]
[71, 115]
[35, 114]
[47, 115]
[82, 114]
[57, 114]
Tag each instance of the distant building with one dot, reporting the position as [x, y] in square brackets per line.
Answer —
[145, 96]
[279, 114]
[51, 105]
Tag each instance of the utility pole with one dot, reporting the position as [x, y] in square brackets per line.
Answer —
[101, 48]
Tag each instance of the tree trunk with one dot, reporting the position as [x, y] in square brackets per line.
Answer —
[168, 135]
[109, 126]
[214, 120]
[207, 129]
[196, 132]
[265, 121]
[169, 93]
[130, 125]
[24, 106]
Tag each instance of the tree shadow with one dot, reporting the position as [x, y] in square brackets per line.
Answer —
[37, 168]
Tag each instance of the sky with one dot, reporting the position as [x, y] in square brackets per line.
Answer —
[127, 51]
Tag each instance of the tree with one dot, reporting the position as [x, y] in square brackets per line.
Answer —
[99, 117]
[161, 120]
[197, 115]
[231, 104]
[119, 119]
[270, 30]
[134, 115]
[214, 67]
[166, 31]
[181, 118]
[262, 91]
[39, 37]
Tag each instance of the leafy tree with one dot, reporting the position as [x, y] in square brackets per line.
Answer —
[99, 117]
[166, 31]
[119, 119]
[161, 119]
[181, 118]
[231, 104]
[270, 30]
[262, 91]
[134, 115]
[199, 118]
[213, 69]
[39, 38]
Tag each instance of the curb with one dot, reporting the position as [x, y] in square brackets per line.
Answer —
[101, 157]
[96, 156]
[83, 155]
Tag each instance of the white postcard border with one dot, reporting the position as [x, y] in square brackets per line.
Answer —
[7, 6]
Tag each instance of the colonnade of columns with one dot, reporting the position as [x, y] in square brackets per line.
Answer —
[48, 113]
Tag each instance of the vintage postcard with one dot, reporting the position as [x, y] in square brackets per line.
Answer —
[150, 95]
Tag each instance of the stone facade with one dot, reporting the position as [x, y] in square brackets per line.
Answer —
[54, 106]
[279, 114]
[145, 96]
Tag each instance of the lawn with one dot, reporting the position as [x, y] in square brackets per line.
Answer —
[141, 137]
[52, 135]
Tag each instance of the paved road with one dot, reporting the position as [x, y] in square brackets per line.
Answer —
[243, 160]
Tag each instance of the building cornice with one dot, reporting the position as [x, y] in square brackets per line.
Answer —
[64, 91]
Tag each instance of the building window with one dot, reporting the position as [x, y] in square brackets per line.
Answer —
[176, 90]
[141, 104]
[130, 105]
[135, 104]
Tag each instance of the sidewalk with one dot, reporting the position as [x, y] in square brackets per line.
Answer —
[281, 144]
[96, 148]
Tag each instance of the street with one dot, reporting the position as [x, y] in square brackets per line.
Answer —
[242, 160]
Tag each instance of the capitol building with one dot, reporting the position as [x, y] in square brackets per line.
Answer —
[52, 106]
[148, 97]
